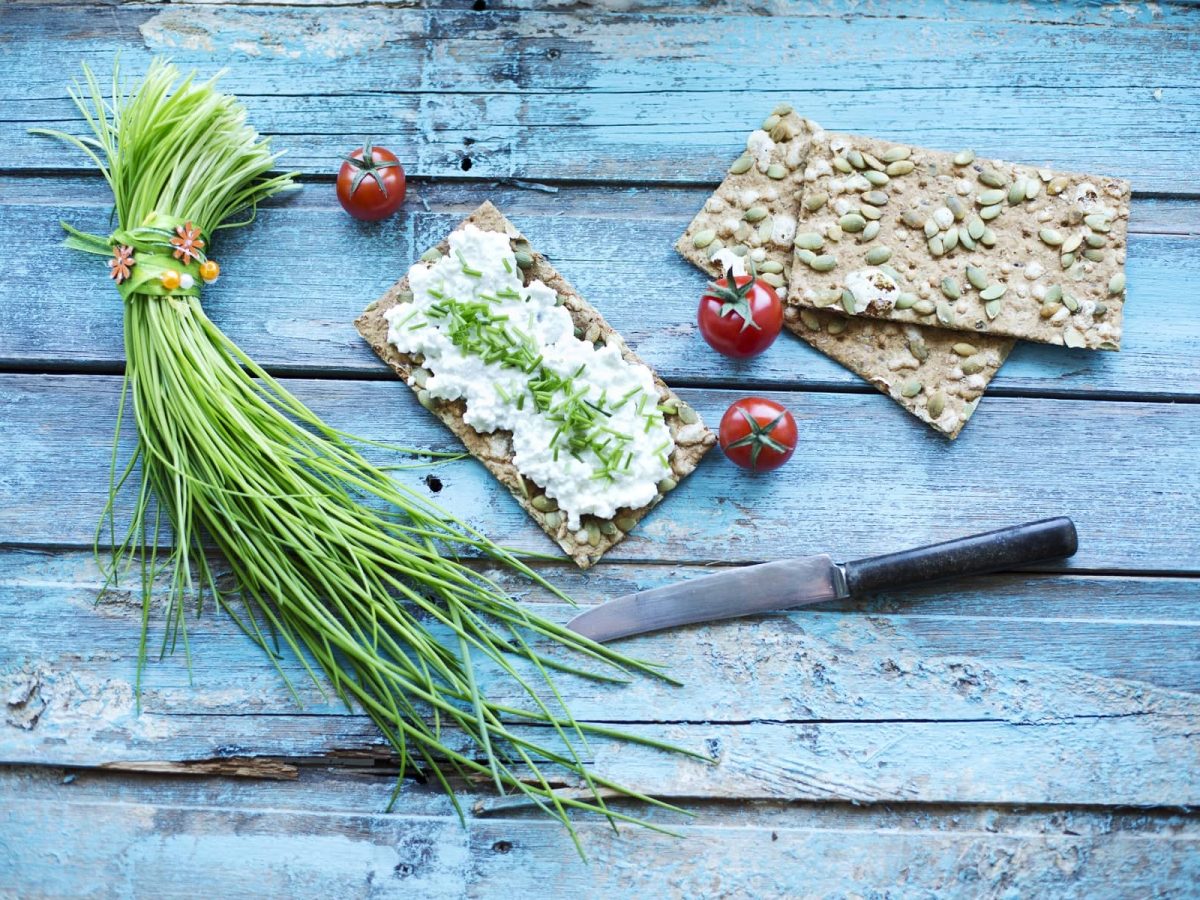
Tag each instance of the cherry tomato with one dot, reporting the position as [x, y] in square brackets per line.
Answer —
[758, 434]
[740, 316]
[371, 183]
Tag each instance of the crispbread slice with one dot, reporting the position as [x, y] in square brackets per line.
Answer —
[897, 360]
[1052, 242]
[494, 450]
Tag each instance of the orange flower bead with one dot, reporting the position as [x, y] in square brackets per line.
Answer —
[209, 270]
[170, 279]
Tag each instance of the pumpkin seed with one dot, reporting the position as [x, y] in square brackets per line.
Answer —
[964, 157]
[1053, 294]
[871, 213]
[717, 247]
[990, 212]
[950, 288]
[945, 313]
[1016, 192]
[936, 405]
[964, 238]
[930, 227]
[992, 178]
[771, 267]
[805, 255]
[1067, 260]
[774, 279]
[990, 198]
[977, 277]
[667, 485]
[950, 239]
[770, 122]
[625, 523]
[552, 520]
[776, 171]
[1093, 254]
[837, 325]
[911, 388]
[875, 198]
[782, 109]
[1095, 240]
[813, 202]
[877, 256]
[972, 366]
[826, 298]
[852, 222]
[895, 154]
[826, 262]
[879, 179]
[1116, 284]
[1073, 337]
[687, 415]
[956, 207]
[524, 260]
[936, 247]
[809, 240]
[834, 233]
[1049, 310]
[988, 238]
[905, 300]
[992, 308]
[1051, 237]
[924, 307]
[993, 292]
[425, 399]
[433, 254]
[703, 238]
[542, 503]
[1100, 309]
[1071, 244]
[872, 161]
[1057, 186]
[742, 164]
[964, 349]
[608, 528]
[810, 319]
[1070, 302]
[593, 533]
[1097, 222]
[856, 159]
[842, 165]
[755, 214]
[913, 218]
[784, 131]
[420, 376]
[871, 231]
[900, 167]
[975, 227]
[1033, 187]
[848, 301]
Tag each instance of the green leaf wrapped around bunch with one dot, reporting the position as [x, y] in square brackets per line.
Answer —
[331, 557]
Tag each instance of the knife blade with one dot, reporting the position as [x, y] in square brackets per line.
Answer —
[787, 584]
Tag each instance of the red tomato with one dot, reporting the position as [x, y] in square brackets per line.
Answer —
[758, 434]
[740, 316]
[371, 184]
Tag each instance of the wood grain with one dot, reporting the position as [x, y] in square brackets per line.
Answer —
[294, 316]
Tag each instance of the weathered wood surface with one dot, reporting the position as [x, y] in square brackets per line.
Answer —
[295, 316]
[1093, 458]
[644, 97]
[320, 837]
[875, 747]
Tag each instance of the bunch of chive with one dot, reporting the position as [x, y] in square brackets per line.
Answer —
[340, 563]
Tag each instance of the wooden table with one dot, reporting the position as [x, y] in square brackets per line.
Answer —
[1028, 733]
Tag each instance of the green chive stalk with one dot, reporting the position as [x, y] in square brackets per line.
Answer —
[331, 558]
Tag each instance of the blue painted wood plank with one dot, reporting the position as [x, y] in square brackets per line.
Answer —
[292, 315]
[864, 478]
[558, 101]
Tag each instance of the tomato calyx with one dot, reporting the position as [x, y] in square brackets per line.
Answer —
[758, 437]
[368, 166]
[735, 298]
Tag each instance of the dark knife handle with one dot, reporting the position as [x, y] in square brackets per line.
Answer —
[974, 555]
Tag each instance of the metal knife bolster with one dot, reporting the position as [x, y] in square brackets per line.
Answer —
[731, 594]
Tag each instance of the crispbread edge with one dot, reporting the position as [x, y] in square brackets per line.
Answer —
[494, 450]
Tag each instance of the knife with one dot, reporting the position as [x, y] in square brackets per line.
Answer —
[815, 579]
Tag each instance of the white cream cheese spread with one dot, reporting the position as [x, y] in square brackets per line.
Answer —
[585, 423]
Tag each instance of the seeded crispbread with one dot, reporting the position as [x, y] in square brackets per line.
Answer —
[978, 245]
[922, 369]
[494, 450]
